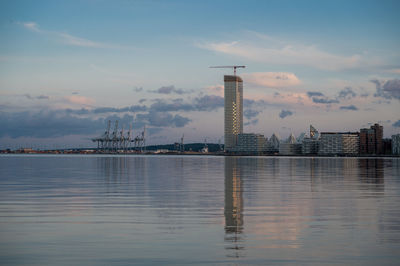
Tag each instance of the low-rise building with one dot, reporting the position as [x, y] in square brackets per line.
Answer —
[290, 146]
[250, 143]
[310, 146]
[272, 144]
[339, 143]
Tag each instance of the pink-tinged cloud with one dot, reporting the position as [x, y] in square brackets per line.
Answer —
[80, 100]
[215, 90]
[394, 71]
[271, 79]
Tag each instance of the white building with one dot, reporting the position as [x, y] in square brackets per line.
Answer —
[332, 143]
[233, 95]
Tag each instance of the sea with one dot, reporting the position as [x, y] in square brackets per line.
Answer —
[198, 210]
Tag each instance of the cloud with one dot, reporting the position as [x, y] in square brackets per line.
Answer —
[350, 107]
[319, 97]
[168, 90]
[285, 113]
[40, 97]
[77, 99]
[396, 124]
[174, 106]
[202, 103]
[30, 26]
[314, 93]
[252, 122]
[208, 102]
[269, 50]
[347, 93]
[249, 113]
[215, 89]
[69, 39]
[272, 79]
[387, 89]
[324, 100]
[394, 71]
[46, 124]
[133, 109]
[163, 119]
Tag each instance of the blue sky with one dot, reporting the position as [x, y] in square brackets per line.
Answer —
[66, 67]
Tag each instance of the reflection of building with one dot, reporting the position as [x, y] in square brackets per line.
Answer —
[371, 140]
[250, 143]
[371, 171]
[396, 144]
[233, 90]
[339, 143]
[233, 210]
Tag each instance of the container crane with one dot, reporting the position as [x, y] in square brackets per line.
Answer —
[234, 68]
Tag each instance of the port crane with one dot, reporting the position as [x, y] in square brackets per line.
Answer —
[234, 68]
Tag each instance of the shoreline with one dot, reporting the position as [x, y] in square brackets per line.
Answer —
[202, 154]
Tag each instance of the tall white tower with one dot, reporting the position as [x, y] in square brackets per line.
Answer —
[233, 95]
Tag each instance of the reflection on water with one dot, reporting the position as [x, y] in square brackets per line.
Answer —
[233, 205]
[67, 210]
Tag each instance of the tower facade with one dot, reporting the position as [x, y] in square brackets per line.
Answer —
[233, 95]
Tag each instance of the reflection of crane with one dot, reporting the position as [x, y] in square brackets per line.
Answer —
[234, 68]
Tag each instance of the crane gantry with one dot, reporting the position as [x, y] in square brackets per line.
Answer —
[234, 68]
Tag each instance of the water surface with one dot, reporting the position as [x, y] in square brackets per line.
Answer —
[118, 210]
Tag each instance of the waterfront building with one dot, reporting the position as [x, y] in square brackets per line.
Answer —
[233, 110]
[396, 144]
[290, 146]
[337, 143]
[272, 144]
[309, 146]
[387, 146]
[371, 140]
[250, 143]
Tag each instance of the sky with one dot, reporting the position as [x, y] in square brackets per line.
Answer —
[67, 67]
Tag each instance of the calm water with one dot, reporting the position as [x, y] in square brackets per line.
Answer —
[119, 210]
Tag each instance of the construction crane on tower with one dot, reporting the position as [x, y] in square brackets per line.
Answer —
[234, 68]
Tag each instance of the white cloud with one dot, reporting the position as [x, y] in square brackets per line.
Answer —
[31, 26]
[69, 39]
[272, 79]
[265, 49]
[76, 41]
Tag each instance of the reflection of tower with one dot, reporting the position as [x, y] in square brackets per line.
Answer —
[233, 203]
[233, 94]
[371, 171]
